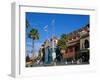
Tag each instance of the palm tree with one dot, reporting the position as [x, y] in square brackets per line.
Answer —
[64, 37]
[62, 44]
[34, 35]
[62, 41]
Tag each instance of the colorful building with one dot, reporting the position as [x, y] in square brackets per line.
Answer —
[78, 46]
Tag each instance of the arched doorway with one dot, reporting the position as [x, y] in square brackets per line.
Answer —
[86, 44]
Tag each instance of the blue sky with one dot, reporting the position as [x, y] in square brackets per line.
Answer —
[62, 23]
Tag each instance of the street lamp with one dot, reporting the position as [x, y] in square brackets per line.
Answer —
[46, 30]
[46, 44]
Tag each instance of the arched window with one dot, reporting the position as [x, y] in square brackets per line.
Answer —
[86, 43]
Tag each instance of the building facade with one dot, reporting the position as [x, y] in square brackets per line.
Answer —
[78, 46]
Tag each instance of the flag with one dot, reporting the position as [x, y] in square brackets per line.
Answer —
[46, 28]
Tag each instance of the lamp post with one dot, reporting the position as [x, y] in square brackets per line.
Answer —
[46, 45]
[46, 30]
